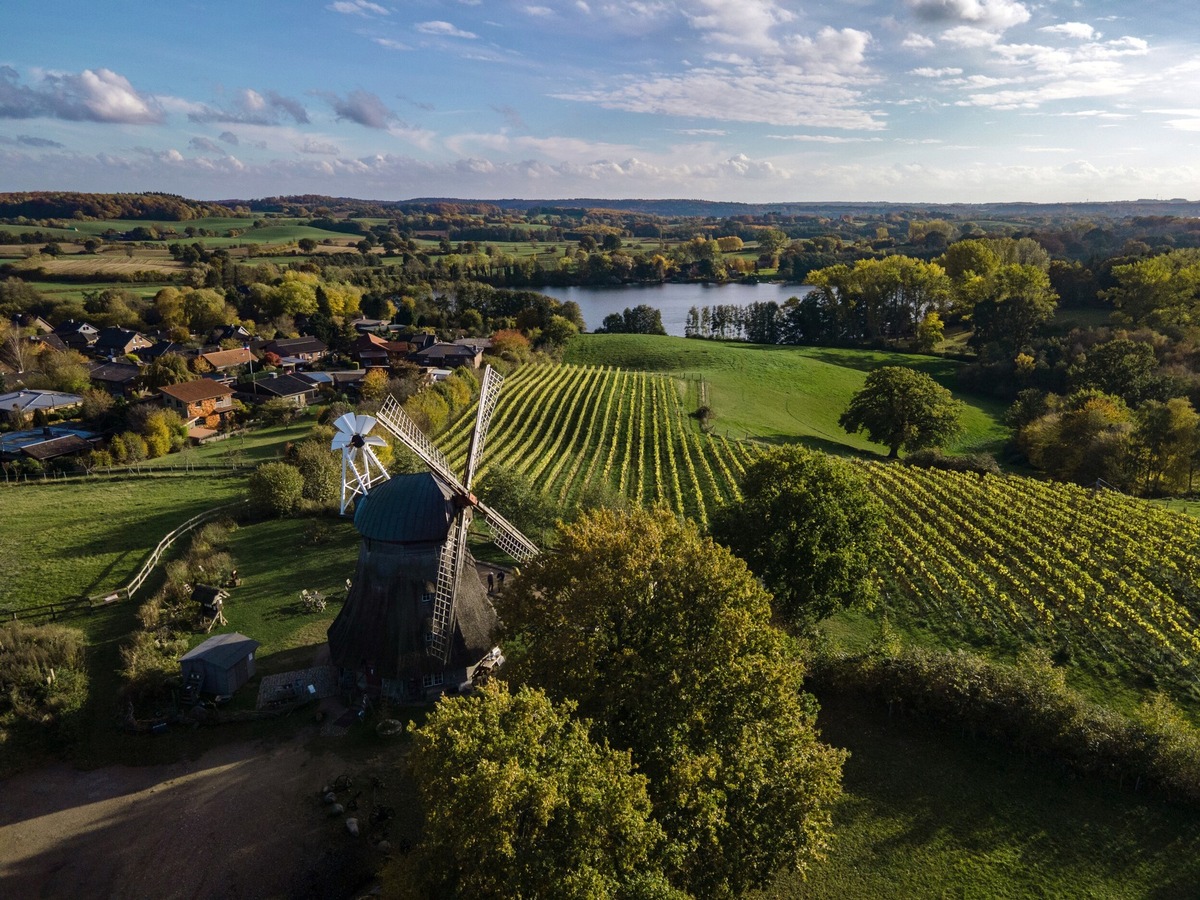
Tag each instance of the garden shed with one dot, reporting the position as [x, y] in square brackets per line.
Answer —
[224, 663]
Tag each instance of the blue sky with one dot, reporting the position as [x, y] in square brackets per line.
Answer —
[750, 100]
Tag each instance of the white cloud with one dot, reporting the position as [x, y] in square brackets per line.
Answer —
[539, 11]
[1079, 30]
[970, 37]
[778, 95]
[746, 23]
[391, 44]
[99, 95]
[926, 72]
[357, 8]
[989, 14]
[824, 139]
[914, 41]
[443, 29]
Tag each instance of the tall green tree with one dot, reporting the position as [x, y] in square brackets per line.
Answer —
[1010, 305]
[809, 527]
[903, 409]
[520, 802]
[664, 639]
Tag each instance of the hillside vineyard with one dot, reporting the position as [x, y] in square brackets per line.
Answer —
[1009, 559]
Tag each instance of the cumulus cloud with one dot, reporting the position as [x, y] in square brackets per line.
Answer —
[391, 44]
[824, 139]
[990, 14]
[357, 8]
[249, 107]
[914, 41]
[1080, 30]
[97, 96]
[325, 148]
[362, 107]
[539, 11]
[926, 72]
[443, 29]
[747, 23]
[204, 145]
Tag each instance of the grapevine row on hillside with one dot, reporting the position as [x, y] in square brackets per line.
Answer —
[565, 428]
[1048, 562]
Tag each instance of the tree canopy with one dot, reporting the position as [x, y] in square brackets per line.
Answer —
[809, 527]
[520, 802]
[664, 639]
[902, 408]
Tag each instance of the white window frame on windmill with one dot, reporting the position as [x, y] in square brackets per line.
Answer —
[433, 679]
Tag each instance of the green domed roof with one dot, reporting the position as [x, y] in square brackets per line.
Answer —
[405, 509]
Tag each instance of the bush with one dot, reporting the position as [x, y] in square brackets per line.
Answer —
[42, 678]
[150, 663]
[276, 488]
[1029, 707]
[277, 411]
[980, 463]
[321, 471]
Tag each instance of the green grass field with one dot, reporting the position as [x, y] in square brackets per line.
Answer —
[71, 538]
[782, 394]
[927, 813]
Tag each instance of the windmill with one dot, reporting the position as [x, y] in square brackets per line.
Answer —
[417, 617]
[360, 467]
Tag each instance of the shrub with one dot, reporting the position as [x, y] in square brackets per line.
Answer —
[1030, 707]
[42, 679]
[276, 488]
[277, 411]
[150, 662]
[981, 463]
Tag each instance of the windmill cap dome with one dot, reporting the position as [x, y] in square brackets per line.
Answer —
[406, 509]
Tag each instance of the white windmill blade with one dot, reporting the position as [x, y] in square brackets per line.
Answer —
[393, 417]
[363, 424]
[489, 392]
[340, 440]
[374, 440]
[506, 535]
[345, 423]
[450, 564]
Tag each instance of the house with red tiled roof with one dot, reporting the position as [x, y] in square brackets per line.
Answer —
[223, 360]
[202, 401]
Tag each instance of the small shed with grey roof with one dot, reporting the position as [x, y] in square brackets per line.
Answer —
[223, 663]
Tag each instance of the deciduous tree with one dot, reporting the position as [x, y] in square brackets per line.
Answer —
[902, 408]
[809, 527]
[520, 802]
[664, 639]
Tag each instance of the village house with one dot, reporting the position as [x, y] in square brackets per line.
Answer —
[297, 350]
[117, 378]
[227, 360]
[370, 350]
[113, 342]
[449, 356]
[77, 335]
[296, 390]
[202, 401]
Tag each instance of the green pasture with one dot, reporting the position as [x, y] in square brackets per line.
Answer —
[928, 813]
[783, 394]
[85, 537]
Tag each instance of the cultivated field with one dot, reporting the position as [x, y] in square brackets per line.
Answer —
[998, 562]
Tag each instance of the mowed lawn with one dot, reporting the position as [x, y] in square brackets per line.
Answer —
[931, 813]
[84, 537]
[775, 393]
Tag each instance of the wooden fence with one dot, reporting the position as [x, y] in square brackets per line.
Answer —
[75, 606]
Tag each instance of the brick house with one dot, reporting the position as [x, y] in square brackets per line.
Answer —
[202, 401]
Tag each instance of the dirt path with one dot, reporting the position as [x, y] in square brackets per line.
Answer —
[242, 821]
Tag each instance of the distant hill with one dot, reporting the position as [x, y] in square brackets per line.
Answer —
[41, 205]
[720, 209]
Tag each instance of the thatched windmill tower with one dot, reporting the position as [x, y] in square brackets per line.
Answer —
[417, 620]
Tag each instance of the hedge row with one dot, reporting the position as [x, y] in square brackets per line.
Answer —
[1029, 707]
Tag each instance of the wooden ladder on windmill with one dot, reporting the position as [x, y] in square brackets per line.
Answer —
[450, 562]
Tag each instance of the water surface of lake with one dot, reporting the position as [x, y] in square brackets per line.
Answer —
[672, 300]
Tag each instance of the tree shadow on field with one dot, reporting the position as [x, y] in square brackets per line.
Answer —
[824, 445]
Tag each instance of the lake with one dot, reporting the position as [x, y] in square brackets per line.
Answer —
[672, 300]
